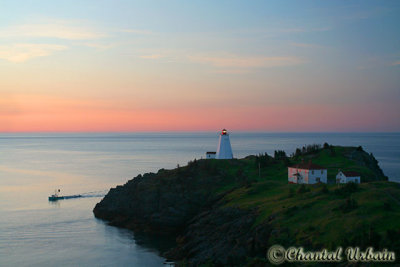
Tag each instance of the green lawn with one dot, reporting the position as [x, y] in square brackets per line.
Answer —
[309, 214]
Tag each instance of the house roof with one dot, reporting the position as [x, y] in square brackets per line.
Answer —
[351, 174]
[211, 152]
[308, 166]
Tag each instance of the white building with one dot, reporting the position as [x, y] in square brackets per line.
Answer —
[345, 177]
[210, 155]
[307, 173]
[224, 150]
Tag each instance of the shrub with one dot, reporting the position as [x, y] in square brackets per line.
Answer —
[262, 160]
[193, 163]
[297, 153]
[291, 210]
[242, 178]
[387, 206]
[347, 189]
[309, 149]
[325, 189]
[349, 205]
[291, 192]
[303, 189]
[280, 154]
[364, 237]
[392, 239]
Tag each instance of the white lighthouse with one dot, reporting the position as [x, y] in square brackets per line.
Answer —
[224, 150]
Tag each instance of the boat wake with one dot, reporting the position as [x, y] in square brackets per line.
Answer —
[56, 196]
[101, 193]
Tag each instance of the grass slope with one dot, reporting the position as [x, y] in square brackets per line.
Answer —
[313, 215]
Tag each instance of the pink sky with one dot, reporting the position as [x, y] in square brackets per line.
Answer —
[262, 66]
[50, 114]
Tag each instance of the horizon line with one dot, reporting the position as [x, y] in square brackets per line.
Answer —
[187, 131]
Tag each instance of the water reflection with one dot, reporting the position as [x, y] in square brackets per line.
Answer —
[54, 204]
[67, 233]
[157, 243]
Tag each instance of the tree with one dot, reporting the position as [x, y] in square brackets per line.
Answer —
[280, 154]
[262, 160]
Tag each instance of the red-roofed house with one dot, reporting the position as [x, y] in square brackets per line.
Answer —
[307, 173]
[344, 177]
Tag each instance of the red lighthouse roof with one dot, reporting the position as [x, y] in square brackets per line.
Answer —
[224, 132]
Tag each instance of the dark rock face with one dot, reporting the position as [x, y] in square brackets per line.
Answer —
[362, 158]
[157, 202]
[223, 236]
[178, 202]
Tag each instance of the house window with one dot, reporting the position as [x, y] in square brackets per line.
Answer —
[322, 171]
[312, 172]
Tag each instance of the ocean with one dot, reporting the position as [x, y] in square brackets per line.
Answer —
[36, 232]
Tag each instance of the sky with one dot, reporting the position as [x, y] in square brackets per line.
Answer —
[278, 66]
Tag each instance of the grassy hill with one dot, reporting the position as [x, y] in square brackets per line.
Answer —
[230, 212]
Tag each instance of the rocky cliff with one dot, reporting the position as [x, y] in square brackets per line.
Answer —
[159, 202]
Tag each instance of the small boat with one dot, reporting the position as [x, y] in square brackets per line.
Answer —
[56, 196]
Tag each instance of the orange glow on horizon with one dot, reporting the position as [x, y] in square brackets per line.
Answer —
[30, 113]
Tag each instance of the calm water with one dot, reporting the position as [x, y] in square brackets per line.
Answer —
[34, 232]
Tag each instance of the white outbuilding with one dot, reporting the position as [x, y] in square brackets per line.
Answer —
[344, 177]
[307, 173]
[210, 155]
